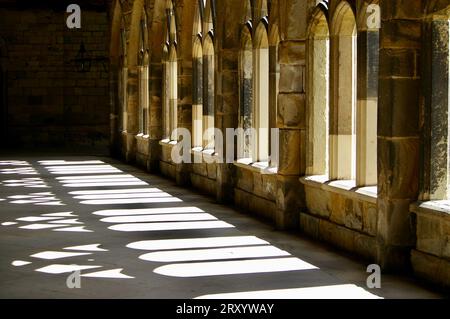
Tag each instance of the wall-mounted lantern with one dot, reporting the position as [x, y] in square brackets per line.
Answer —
[83, 60]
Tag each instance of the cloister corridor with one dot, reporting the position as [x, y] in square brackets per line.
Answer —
[136, 235]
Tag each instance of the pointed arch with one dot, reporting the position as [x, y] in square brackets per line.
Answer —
[116, 27]
[133, 40]
[143, 37]
[209, 16]
[324, 6]
[261, 36]
[261, 9]
[197, 28]
[247, 11]
[171, 22]
[208, 44]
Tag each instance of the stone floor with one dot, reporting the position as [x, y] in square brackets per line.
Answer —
[135, 235]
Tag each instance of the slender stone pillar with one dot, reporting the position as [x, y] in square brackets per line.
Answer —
[155, 116]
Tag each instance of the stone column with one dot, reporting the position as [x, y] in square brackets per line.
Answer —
[227, 100]
[227, 91]
[291, 113]
[184, 112]
[398, 129]
[292, 138]
[155, 116]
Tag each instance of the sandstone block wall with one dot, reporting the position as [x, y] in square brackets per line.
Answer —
[50, 103]
[400, 110]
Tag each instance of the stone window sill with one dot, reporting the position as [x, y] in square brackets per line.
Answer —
[210, 155]
[168, 142]
[438, 208]
[259, 167]
[142, 137]
[343, 187]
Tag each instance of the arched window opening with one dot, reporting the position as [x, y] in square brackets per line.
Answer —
[203, 110]
[170, 77]
[245, 93]
[123, 78]
[318, 95]
[208, 93]
[260, 149]
[343, 95]
[143, 76]
[197, 107]
[367, 107]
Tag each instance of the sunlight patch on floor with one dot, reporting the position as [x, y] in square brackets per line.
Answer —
[221, 268]
[148, 211]
[214, 254]
[207, 242]
[321, 292]
[170, 226]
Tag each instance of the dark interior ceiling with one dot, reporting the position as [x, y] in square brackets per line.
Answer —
[100, 5]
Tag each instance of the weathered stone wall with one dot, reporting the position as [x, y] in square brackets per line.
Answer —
[49, 102]
[431, 256]
[369, 215]
[203, 176]
[255, 192]
[341, 217]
